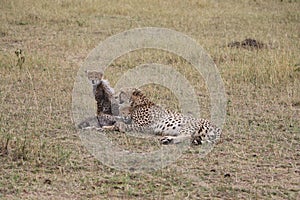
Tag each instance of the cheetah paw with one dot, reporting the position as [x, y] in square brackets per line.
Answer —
[166, 140]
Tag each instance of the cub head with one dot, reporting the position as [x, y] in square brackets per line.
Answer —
[19, 52]
[94, 76]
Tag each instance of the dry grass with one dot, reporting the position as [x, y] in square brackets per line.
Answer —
[41, 155]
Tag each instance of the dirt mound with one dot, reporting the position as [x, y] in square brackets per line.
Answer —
[247, 44]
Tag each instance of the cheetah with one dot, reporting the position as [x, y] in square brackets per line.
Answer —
[107, 106]
[21, 57]
[104, 94]
[147, 117]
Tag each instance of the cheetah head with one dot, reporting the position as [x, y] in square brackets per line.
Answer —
[94, 76]
[133, 97]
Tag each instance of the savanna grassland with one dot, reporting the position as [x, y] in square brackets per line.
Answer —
[41, 154]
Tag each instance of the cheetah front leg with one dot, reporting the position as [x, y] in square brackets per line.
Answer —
[186, 133]
[121, 127]
[132, 127]
[118, 126]
[175, 139]
[108, 128]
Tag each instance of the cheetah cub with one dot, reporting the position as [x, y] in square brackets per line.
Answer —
[107, 107]
[21, 57]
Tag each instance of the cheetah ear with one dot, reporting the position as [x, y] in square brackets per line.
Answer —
[137, 92]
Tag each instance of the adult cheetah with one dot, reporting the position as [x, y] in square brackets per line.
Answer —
[147, 117]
